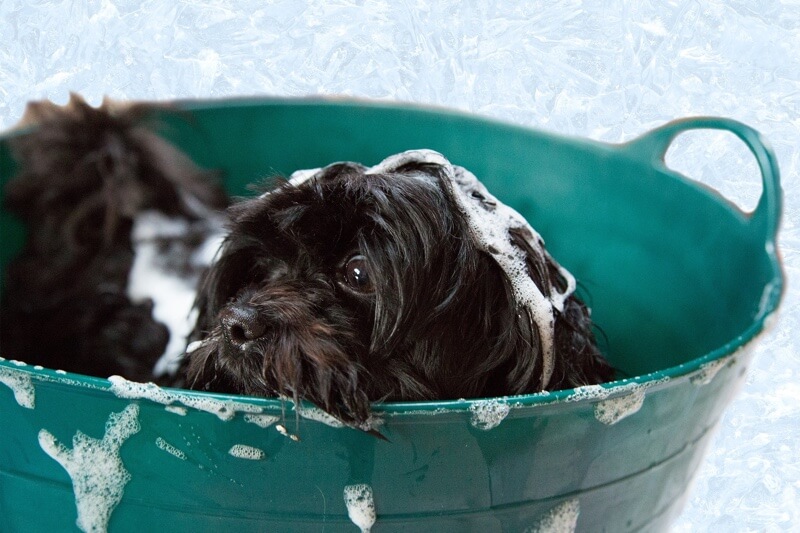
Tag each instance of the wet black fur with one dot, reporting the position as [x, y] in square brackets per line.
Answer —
[84, 174]
[440, 324]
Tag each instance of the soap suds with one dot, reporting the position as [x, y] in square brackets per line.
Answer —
[98, 474]
[612, 411]
[709, 370]
[627, 399]
[589, 392]
[318, 415]
[487, 414]
[132, 390]
[260, 420]
[175, 409]
[242, 451]
[561, 519]
[360, 506]
[21, 385]
[170, 449]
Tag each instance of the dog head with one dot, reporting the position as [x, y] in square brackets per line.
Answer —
[349, 285]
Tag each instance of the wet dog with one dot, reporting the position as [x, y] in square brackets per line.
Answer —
[405, 281]
[120, 224]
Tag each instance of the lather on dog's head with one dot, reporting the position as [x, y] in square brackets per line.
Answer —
[350, 285]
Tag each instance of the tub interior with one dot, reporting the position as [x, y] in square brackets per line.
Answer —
[668, 274]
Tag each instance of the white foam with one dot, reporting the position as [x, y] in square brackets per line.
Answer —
[589, 392]
[560, 519]
[263, 421]
[175, 409]
[243, 451]
[709, 370]
[170, 449]
[487, 414]
[98, 474]
[627, 399]
[172, 295]
[21, 385]
[317, 414]
[360, 506]
[131, 390]
[613, 410]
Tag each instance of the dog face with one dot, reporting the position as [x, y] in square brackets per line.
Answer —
[352, 285]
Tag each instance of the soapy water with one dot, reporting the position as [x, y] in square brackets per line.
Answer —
[95, 467]
[561, 519]
[360, 506]
[21, 386]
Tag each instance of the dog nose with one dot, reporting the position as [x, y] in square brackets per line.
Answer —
[241, 323]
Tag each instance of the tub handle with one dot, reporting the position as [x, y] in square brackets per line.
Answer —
[766, 216]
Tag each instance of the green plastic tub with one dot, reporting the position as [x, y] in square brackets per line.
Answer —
[680, 281]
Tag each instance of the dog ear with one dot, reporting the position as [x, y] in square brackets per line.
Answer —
[578, 361]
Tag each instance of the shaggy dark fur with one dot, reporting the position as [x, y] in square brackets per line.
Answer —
[350, 289]
[84, 174]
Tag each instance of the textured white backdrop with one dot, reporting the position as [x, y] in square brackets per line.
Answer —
[599, 69]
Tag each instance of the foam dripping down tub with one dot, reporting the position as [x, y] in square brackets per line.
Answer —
[680, 281]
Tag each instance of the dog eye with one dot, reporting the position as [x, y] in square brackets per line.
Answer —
[356, 274]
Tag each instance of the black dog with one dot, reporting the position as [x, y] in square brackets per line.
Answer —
[115, 217]
[405, 281]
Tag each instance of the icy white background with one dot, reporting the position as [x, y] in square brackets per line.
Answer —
[600, 69]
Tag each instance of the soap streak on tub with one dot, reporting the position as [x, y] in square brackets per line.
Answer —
[95, 466]
[170, 449]
[560, 519]
[243, 451]
[21, 385]
[487, 414]
[262, 421]
[611, 411]
[132, 390]
[360, 506]
[176, 410]
[709, 370]
[318, 415]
